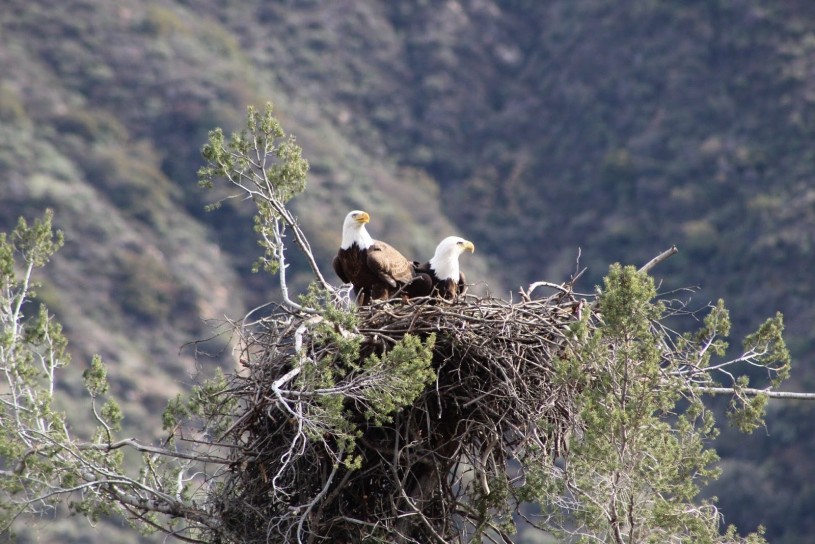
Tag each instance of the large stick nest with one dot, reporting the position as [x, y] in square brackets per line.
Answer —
[430, 474]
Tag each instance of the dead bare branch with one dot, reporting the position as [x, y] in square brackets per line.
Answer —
[752, 392]
[658, 259]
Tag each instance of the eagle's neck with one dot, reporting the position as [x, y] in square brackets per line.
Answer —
[445, 265]
[356, 235]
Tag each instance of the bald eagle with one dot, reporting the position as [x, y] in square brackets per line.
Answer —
[374, 268]
[448, 279]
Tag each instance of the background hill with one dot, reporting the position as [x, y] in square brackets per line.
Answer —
[531, 128]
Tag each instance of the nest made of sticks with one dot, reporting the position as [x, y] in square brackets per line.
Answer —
[425, 475]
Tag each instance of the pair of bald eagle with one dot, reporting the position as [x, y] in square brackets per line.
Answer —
[378, 271]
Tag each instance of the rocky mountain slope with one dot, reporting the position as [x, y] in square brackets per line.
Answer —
[539, 130]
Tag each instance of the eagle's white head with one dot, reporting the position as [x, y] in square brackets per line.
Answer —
[445, 261]
[353, 230]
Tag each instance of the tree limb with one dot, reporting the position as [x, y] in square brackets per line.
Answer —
[658, 259]
[755, 392]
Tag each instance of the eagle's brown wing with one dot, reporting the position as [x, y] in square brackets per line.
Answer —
[462, 283]
[388, 264]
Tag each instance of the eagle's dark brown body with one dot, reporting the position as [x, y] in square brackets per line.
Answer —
[379, 272]
[443, 288]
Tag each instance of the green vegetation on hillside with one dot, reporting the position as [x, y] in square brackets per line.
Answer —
[533, 128]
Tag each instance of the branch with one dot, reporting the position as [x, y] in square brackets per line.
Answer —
[305, 248]
[755, 392]
[162, 505]
[658, 259]
[131, 442]
[107, 447]
[280, 252]
[537, 284]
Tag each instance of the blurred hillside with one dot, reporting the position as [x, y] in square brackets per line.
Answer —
[531, 128]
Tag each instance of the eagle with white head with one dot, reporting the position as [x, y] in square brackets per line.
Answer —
[444, 270]
[374, 268]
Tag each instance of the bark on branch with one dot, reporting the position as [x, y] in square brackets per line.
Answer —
[755, 392]
[658, 259]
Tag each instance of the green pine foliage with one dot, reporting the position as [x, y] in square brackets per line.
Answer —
[634, 472]
[387, 382]
[640, 461]
[48, 456]
[264, 156]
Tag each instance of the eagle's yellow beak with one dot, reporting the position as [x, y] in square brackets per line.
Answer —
[469, 246]
[363, 218]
